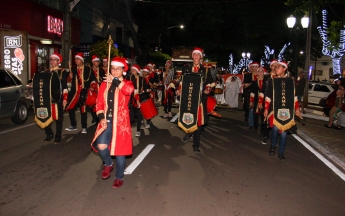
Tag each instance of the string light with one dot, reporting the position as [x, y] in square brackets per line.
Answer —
[330, 50]
[281, 53]
[231, 62]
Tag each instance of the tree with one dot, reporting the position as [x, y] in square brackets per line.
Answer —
[331, 47]
[101, 50]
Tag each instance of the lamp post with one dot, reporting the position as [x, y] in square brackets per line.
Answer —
[305, 24]
[159, 39]
[246, 56]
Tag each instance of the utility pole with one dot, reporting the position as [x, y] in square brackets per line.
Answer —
[307, 59]
[66, 37]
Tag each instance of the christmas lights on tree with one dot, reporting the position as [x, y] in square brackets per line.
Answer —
[329, 49]
[231, 62]
[281, 53]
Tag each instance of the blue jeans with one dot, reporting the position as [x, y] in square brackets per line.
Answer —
[105, 138]
[282, 140]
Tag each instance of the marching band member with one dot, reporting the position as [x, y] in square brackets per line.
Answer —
[105, 65]
[139, 86]
[99, 74]
[147, 80]
[198, 69]
[281, 107]
[257, 97]
[169, 89]
[55, 59]
[113, 136]
[82, 78]
[248, 79]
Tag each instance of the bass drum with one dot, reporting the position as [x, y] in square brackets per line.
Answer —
[87, 98]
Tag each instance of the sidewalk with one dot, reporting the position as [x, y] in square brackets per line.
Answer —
[329, 142]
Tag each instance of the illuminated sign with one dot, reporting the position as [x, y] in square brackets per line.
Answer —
[55, 25]
[13, 54]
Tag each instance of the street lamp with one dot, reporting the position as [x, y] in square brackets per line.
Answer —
[159, 39]
[246, 56]
[305, 24]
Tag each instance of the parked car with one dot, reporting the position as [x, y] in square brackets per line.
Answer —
[318, 93]
[330, 101]
[13, 101]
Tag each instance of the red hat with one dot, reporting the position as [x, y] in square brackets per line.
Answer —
[197, 50]
[283, 63]
[80, 55]
[254, 64]
[56, 55]
[149, 64]
[273, 61]
[209, 65]
[136, 67]
[121, 62]
[146, 69]
[261, 68]
[95, 58]
[168, 63]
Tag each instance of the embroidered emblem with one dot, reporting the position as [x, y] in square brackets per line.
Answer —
[188, 118]
[283, 114]
[42, 112]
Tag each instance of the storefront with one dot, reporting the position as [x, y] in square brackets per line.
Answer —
[37, 29]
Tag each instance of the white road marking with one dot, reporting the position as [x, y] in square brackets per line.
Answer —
[130, 169]
[322, 158]
[175, 117]
[17, 128]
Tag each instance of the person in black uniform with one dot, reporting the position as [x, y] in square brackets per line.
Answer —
[198, 68]
[140, 86]
[55, 59]
[82, 78]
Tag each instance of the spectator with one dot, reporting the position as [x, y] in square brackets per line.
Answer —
[336, 108]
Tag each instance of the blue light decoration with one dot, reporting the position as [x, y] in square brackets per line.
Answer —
[281, 53]
[330, 50]
[231, 62]
[266, 59]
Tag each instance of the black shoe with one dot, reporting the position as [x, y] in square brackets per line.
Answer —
[281, 157]
[272, 151]
[48, 138]
[255, 131]
[57, 140]
[187, 137]
[264, 141]
[196, 150]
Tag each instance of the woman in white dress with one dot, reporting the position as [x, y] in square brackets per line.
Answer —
[231, 92]
[220, 85]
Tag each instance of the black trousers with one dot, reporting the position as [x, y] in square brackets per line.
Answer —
[138, 116]
[263, 129]
[168, 104]
[48, 130]
[72, 117]
[196, 137]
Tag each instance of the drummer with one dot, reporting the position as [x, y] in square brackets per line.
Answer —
[218, 93]
[147, 78]
[139, 86]
[169, 89]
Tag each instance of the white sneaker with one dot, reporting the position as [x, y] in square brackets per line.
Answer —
[84, 131]
[165, 115]
[137, 134]
[170, 115]
[72, 128]
[147, 126]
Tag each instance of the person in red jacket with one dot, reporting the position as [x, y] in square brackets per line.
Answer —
[113, 136]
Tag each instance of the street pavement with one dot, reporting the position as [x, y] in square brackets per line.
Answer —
[233, 174]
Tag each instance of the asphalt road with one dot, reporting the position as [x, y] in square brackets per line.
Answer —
[233, 174]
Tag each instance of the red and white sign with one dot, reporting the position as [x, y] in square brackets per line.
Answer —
[55, 25]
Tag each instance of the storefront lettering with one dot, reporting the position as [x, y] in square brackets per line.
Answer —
[55, 25]
[13, 61]
[4, 25]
